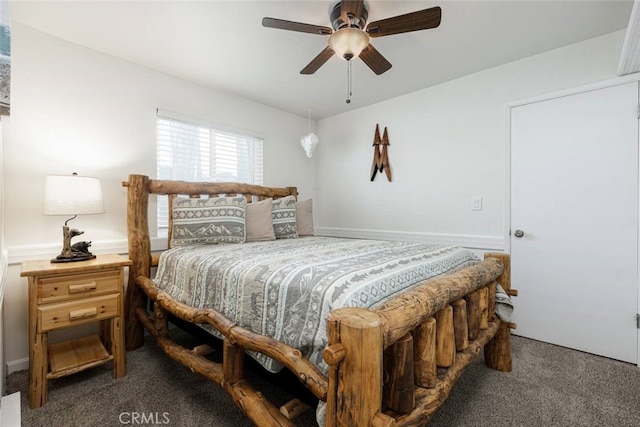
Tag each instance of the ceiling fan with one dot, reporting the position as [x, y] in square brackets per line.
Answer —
[349, 33]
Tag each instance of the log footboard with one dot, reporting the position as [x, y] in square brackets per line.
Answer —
[396, 365]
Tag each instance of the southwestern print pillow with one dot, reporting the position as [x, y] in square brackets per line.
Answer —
[210, 220]
[283, 214]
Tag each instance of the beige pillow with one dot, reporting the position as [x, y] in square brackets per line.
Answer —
[259, 222]
[304, 217]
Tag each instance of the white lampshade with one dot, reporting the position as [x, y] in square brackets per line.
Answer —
[309, 143]
[72, 195]
[347, 43]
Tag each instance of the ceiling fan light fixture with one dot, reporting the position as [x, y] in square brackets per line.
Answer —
[348, 43]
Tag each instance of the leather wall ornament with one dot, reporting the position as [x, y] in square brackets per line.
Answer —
[381, 154]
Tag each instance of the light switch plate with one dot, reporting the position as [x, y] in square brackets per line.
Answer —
[476, 203]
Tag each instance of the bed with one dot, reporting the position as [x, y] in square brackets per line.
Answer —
[408, 340]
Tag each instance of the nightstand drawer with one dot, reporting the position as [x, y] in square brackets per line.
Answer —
[60, 288]
[62, 315]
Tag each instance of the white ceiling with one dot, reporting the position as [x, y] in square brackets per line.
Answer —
[222, 44]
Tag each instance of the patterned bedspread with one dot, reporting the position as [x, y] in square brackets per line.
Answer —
[286, 288]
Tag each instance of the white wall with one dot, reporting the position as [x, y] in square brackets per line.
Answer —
[447, 145]
[77, 110]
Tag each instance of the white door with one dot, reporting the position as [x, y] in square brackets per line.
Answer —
[574, 195]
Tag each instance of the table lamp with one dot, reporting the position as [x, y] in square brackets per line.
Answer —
[72, 195]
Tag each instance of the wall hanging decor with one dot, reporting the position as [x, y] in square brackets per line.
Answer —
[381, 154]
[5, 58]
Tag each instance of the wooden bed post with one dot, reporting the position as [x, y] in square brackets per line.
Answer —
[139, 253]
[497, 352]
[355, 359]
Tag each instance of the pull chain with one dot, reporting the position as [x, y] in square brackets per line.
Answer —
[349, 82]
[349, 71]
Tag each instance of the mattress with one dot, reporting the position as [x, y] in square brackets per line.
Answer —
[285, 288]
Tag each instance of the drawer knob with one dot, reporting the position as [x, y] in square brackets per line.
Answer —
[83, 313]
[82, 287]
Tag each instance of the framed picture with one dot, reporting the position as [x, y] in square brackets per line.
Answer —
[5, 58]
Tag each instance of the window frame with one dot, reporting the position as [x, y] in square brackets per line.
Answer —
[218, 150]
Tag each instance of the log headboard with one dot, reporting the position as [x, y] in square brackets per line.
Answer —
[139, 187]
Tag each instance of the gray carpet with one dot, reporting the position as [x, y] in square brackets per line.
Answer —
[549, 386]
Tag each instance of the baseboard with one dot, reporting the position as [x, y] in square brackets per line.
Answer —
[487, 243]
[18, 365]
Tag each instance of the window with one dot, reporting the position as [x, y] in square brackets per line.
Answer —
[191, 151]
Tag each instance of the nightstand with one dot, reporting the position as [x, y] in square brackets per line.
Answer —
[62, 295]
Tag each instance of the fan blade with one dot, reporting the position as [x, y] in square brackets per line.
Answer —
[414, 21]
[351, 7]
[318, 61]
[374, 60]
[281, 24]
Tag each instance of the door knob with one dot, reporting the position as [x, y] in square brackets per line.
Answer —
[518, 233]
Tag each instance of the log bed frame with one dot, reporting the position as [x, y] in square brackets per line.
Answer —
[393, 366]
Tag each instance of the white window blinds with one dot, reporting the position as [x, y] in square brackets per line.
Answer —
[192, 151]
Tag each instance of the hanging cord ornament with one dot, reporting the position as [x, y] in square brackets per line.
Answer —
[309, 141]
